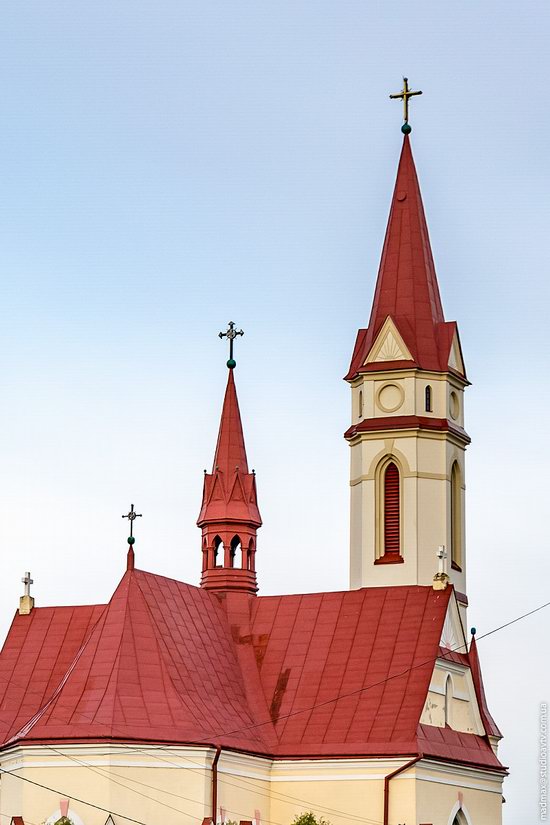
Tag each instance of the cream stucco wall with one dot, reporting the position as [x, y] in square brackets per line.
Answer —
[425, 459]
[462, 711]
[173, 785]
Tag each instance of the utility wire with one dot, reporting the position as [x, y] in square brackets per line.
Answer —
[73, 798]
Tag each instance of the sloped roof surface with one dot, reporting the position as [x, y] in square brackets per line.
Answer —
[230, 448]
[475, 666]
[168, 662]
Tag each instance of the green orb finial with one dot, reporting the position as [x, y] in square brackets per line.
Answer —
[406, 128]
[231, 364]
[473, 631]
[131, 540]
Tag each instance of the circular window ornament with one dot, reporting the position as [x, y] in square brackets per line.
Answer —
[454, 406]
[390, 397]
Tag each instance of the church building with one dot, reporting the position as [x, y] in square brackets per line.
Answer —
[181, 704]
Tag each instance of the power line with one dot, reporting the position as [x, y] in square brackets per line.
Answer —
[73, 798]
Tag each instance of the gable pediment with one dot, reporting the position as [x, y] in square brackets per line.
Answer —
[389, 345]
[451, 699]
[455, 356]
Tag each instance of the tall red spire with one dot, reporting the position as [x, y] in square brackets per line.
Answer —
[229, 516]
[406, 289]
[230, 449]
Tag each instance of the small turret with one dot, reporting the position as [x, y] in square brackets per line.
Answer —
[229, 516]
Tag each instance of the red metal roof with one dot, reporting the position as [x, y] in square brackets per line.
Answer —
[407, 288]
[230, 449]
[168, 662]
[491, 727]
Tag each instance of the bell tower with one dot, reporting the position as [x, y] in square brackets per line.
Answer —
[407, 436]
[229, 516]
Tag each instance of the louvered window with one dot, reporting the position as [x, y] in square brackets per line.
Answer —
[391, 509]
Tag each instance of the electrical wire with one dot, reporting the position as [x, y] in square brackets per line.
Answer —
[73, 798]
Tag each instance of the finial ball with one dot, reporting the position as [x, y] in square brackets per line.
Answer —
[231, 364]
[406, 129]
[473, 631]
[131, 540]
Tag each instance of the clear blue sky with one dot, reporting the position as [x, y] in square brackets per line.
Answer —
[167, 166]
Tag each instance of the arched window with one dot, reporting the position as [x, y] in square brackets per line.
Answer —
[456, 517]
[360, 403]
[217, 552]
[428, 399]
[448, 700]
[235, 550]
[460, 819]
[391, 511]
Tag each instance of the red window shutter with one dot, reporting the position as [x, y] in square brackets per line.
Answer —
[391, 509]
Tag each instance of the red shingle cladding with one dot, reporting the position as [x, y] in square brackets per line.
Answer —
[168, 662]
[407, 288]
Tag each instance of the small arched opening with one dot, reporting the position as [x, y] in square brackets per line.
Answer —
[235, 550]
[250, 555]
[428, 404]
[360, 410]
[218, 552]
[448, 701]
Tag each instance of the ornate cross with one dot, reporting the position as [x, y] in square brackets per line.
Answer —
[231, 334]
[404, 95]
[132, 516]
[27, 581]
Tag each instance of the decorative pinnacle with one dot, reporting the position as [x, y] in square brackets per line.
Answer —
[231, 334]
[132, 516]
[473, 631]
[404, 95]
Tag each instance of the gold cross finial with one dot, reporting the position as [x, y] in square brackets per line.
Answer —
[404, 95]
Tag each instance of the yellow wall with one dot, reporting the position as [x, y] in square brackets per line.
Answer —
[173, 785]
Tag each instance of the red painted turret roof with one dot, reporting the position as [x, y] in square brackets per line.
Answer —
[230, 450]
[229, 492]
[168, 662]
[407, 288]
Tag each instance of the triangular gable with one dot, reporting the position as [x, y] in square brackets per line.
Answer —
[456, 361]
[217, 492]
[453, 663]
[389, 345]
[237, 493]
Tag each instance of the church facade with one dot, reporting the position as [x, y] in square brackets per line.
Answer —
[214, 704]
